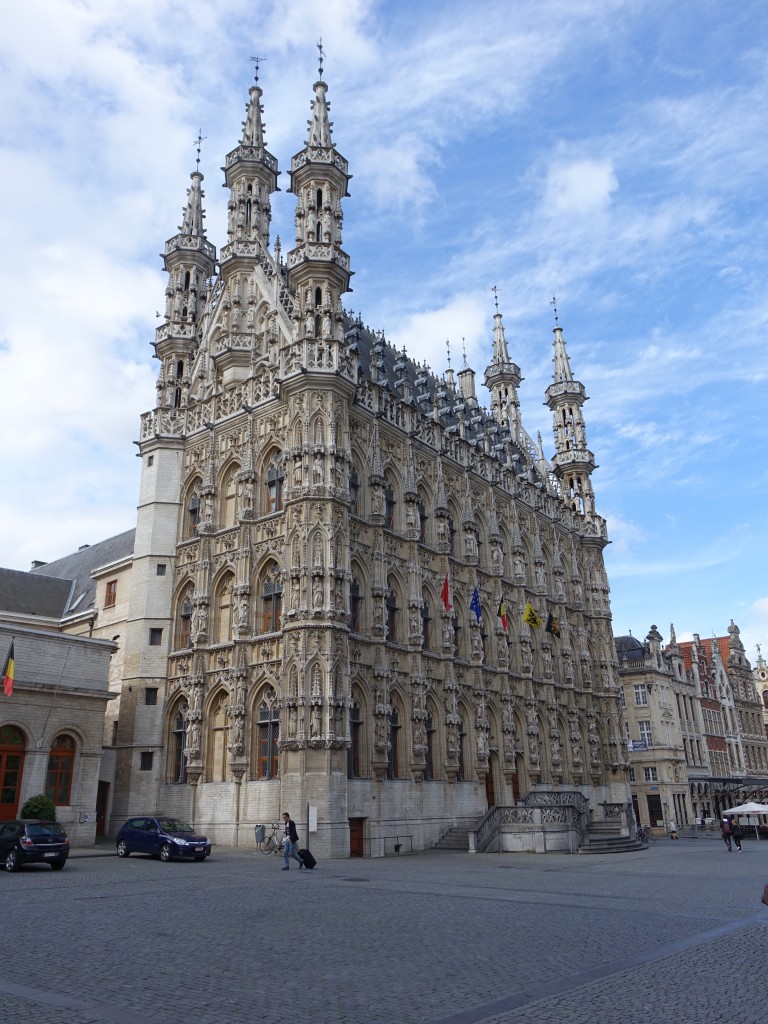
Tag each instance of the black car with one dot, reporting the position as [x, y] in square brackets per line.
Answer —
[161, 837]
[33, 842]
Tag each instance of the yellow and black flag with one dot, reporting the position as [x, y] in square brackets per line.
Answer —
[530, 617]
[552, 626]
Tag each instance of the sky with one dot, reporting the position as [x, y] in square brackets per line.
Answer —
[609, 153]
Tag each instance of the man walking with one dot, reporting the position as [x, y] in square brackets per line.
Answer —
[289, 842]
[725, 830]
[736, 833]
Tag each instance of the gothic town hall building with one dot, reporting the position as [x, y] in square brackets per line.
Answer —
[306, 492]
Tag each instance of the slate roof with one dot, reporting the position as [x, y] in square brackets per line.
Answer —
[629, 648]
[77, 568]
[25, 593]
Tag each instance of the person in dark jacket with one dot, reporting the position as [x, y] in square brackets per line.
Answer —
[290, 842]
[736, 833]
[725, 832]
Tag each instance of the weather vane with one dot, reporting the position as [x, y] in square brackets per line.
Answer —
[553, 304]
[321, 55]
[257, 61]
[198, 142]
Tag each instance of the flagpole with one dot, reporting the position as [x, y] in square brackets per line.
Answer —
[53, 698]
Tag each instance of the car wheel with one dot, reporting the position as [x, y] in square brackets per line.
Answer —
[165, 852]
[12, 861]
[122, 848]
[58, 866]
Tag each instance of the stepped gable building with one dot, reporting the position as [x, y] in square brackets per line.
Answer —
[310, 490]
[693, 726]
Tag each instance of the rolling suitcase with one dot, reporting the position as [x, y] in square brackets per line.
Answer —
[307, 859]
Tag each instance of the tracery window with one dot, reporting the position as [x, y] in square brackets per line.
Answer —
[223, 608]
[271, 591]
[392, 615]
[354, 754]
[355, 605]
[429, 753]
[228, 510]
[217, 762]
[393, 754]
[177, 758]
[183, 638]
[274, 484]
[192, 511]
[267, 736]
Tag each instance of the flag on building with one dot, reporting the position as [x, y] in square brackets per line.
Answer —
[474, 604]
[8, 670]
[445, 594]
[552, 626]
[502, 614]
[530, 617]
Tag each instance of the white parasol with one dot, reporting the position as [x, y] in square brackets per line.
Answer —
[748, 809]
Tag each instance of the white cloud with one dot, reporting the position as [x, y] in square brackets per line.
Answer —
[580, 188]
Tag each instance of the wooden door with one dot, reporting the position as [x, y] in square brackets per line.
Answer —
[489, 793]
[12, 748]
[356, 838]
[102, 804]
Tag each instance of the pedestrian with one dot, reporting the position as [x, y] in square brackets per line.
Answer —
[673, 829]
[736, 832]
[725, 831]
[290, 842]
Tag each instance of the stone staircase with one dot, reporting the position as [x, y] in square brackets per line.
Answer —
[454, 839]
[603, 837]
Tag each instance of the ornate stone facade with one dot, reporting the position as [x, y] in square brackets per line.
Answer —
[328, 507]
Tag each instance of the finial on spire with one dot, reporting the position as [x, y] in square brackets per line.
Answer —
[198, 142]
[495, 291]
[448, 350]
[553, 304]
[257, 61]
[321, 57]
[464, 352]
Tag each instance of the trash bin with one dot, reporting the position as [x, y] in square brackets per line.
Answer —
[259, 832]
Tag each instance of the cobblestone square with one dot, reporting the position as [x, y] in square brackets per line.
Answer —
[444, 938]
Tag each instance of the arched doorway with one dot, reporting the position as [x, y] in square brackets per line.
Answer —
[12, 748]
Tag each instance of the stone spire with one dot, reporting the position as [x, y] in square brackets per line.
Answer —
[250, 173]
[573, 462]
[190, 262]
[318, 268]
[502, 378]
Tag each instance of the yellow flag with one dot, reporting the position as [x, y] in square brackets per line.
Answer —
[530, 617]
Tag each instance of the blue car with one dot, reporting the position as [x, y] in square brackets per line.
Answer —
[166, 838]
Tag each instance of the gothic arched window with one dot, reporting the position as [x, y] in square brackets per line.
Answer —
[228, 509]
[183, 638]
[274, 481]
[267, 735]
[354, 754]
[392, 615]
[177, 758]
[271, 591]
[429, 753]
[222, 630]
[355, 605]
[192, 510]
[393, 754]
[426, 623]
[217, 761]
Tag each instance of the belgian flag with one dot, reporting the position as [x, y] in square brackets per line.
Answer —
[8, 670]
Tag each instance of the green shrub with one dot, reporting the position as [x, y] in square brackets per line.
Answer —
[39, 806]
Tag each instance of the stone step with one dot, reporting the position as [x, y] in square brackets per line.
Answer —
[454, 839]
[615, 844]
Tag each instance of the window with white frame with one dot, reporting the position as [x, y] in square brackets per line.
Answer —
[641, 696]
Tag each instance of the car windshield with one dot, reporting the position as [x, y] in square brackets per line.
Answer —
[174, 825]
[45, 829]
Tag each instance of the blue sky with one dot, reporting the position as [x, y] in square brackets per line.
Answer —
[610, 152]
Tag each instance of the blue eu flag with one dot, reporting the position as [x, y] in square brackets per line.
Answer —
[474, 604]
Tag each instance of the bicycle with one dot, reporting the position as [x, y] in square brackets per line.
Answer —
[273, 843]
[644, 835]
